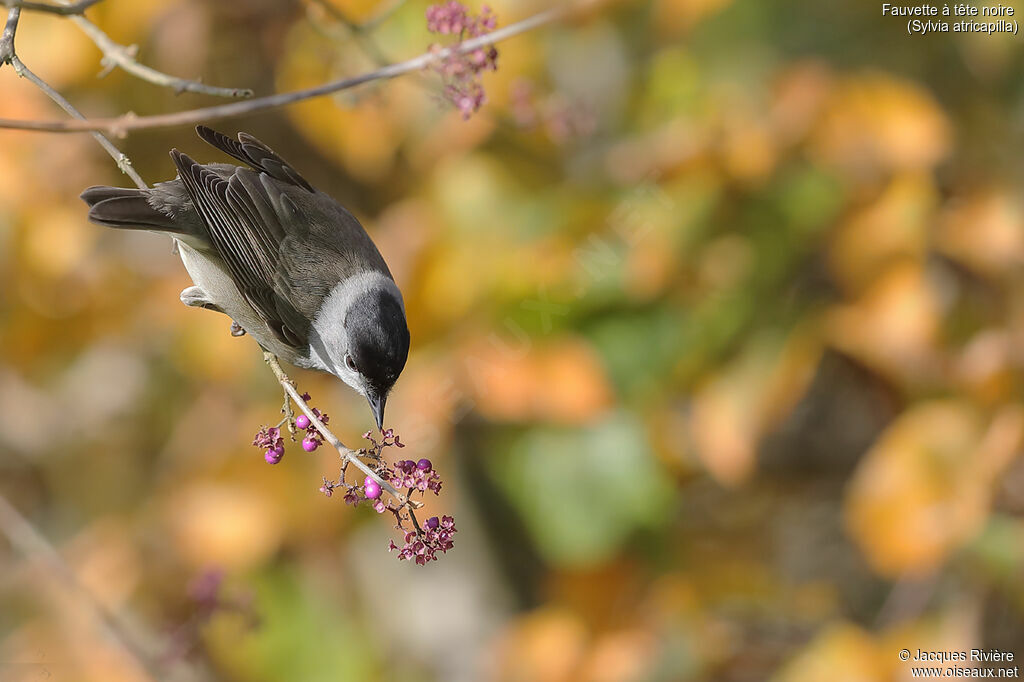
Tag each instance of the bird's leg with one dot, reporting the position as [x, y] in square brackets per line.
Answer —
[196, 297]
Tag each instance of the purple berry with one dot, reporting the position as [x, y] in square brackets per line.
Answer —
[302, 422]
[433, 522]
[371, 488]
[274, 455]
[424, 465]
[309, 445]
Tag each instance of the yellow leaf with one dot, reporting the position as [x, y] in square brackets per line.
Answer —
[894, 225]
[925, 487]
[218, 524]
[840, 653]
[876, 122]
[892, 326]
[734, 408]
[561, 381]
[984, 232]
[544, 646]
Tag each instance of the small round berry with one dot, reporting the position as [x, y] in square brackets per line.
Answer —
[424, 465]
[371, 488]
[433, 522]
[302, 422]
[274, 455]
[309, 445]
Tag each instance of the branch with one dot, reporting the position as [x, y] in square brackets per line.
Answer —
[124, 57]
[121, 125]
[63, 10]
[7, 37]
[348, 455]
[9, 56]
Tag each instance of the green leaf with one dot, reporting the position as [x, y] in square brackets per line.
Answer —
[583, 492]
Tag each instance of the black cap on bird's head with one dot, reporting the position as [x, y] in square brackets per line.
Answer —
[378, 346]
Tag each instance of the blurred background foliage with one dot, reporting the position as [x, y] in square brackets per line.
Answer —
[716, 313]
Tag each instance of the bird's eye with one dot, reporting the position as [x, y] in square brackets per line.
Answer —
[350, 363]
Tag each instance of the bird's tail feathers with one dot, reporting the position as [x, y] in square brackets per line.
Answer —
[126, 208]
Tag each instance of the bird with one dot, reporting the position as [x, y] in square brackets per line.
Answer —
[287, 263]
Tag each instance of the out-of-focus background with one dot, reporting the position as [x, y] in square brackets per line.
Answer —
[717, 316]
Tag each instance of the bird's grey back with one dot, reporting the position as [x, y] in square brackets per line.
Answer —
[323, 245]
[285, 245]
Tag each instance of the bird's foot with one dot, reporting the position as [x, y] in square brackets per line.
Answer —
[236, 329]
[195, 297]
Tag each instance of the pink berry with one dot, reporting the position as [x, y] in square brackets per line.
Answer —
[302, 422]
[309, 445]
[424, 465]
[274, 455]
[371, 488]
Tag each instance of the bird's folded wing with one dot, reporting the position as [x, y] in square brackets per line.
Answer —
[245, 217]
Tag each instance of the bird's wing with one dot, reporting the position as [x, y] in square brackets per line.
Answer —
[248, 214]
[254, 153]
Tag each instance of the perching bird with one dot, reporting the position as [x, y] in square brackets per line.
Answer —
[287, 263]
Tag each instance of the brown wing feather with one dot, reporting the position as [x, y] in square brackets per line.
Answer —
[246, 234]
[254, 153]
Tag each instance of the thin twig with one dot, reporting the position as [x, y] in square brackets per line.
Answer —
[360, 32]
[122, 124]
[63, 10]
[124, 57]
[9, 56]
[119, 157]
[347, 454]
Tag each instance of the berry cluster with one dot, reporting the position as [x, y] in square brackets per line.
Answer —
[314, 438]
[422, 545]
[388, 488]
[270, 440]
[415, 476]
[461, 72]
[370, 489]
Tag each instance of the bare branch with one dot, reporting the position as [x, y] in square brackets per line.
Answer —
[9, 56]
[119, 157]
[124, 57]
[63, 10]
[7, 37]
[123, 124]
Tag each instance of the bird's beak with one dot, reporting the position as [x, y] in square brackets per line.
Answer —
[377, 405]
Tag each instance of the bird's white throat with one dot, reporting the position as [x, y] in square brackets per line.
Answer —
[328, 335]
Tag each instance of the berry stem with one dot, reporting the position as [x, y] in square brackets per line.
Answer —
[415, 523]
[289, 415]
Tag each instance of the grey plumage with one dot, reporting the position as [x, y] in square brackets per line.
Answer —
[286, 262]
